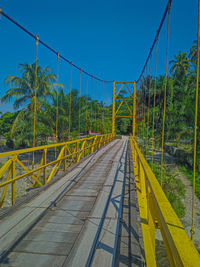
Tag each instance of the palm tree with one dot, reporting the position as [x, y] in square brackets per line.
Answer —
[193, 52]
[22, 89]
[180, 64]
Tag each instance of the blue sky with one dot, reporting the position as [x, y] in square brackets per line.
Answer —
[109, 38]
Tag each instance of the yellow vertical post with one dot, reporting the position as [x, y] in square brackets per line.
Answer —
[102, 110]
[45, 162]
[79, 119]
[57, 102]
[13, 177]
[95, 117]
[147, 137]
[144, 123]
[65, 161]
[91, 108]
[86, 106]
[195, 125]
[70, 98]
[35, 98]
[134, 108]
[113, 110]
[154, 104]
[165, 96]
[77, 154]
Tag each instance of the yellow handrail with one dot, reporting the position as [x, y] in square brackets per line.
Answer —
[71, 150]
[157, 213]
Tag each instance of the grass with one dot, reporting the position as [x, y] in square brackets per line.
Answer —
[189, 174]
[174, 189]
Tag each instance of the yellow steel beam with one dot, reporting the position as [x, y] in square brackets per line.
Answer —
[27, 170]
[124, 82]
[124, 116]
[125, 98]
[5, 167]
[113, 110]
[134, 109]
[119, 107]
[128, 89]
[128, 107]
[5, 188]
[119, 89]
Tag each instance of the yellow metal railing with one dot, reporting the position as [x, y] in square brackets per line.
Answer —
[157, 213]
[69, 152]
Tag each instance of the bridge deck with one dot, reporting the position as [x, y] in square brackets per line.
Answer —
[75, 221]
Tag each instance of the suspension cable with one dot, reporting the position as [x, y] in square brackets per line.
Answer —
[70, 99]
[142, 119]
[57, 101]
[195, 126]
[95, 112]
[144, 114]
[165, 94]
[144, 94]
[148, 106]
[154, 103]
[98, 112]
[86, 106]
[91, 106]
[79, 117]
[138, 114]
[102, 124]
[35, 98]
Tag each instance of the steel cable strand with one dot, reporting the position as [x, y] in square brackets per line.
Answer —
[165, 94]
[154, 103]
[195, 127]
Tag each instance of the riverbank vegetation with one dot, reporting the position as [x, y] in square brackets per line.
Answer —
[180, 99]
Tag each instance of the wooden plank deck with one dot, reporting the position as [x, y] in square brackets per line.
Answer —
[73, 222]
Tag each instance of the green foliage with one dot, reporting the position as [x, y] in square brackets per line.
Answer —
[9, 141]
[174, 189]
[6, 121]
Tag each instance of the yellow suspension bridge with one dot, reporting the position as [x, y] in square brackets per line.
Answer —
[94, 199]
